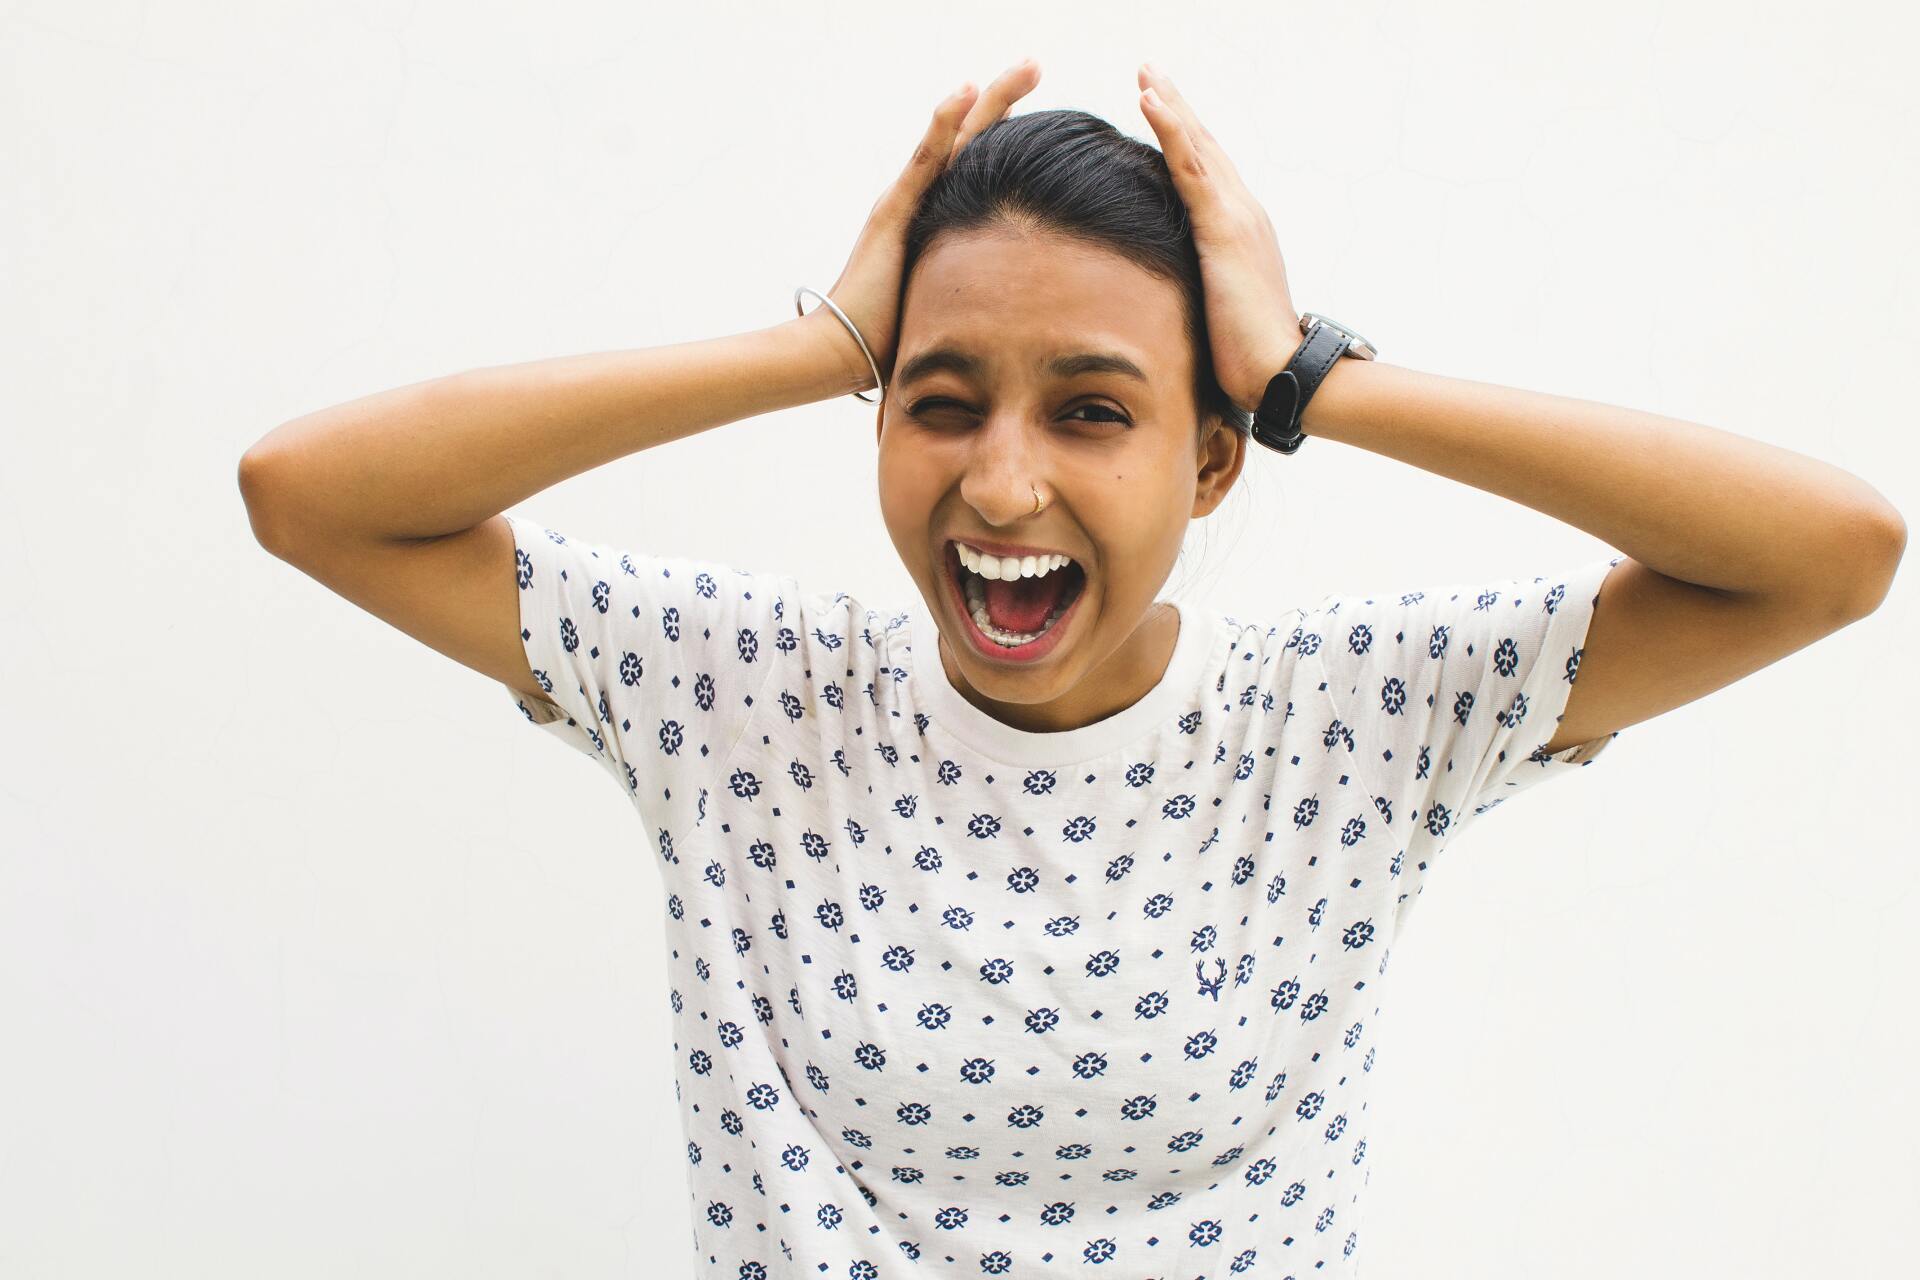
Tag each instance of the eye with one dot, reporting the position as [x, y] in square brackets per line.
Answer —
[919, 407]
[1118, 418]
[1114, 418]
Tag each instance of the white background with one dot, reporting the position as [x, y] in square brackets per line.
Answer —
[317, 960]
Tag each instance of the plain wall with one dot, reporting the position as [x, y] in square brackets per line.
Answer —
[317, 960]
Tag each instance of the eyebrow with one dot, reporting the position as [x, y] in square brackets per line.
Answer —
[952, 360]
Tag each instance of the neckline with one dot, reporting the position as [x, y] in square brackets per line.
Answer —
[1000, 741]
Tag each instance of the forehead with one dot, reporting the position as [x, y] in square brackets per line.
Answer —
[1017, 300]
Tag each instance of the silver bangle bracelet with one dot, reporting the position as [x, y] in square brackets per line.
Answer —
[801, 311]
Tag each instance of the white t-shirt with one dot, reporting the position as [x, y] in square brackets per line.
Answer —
[955, 999]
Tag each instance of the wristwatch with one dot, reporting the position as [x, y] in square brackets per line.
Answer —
[1276, 423]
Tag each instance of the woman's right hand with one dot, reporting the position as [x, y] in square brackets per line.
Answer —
[868, 289]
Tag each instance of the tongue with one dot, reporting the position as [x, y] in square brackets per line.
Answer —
[1022, 604]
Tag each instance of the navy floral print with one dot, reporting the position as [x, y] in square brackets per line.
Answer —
[955, 999]
[1449, 696]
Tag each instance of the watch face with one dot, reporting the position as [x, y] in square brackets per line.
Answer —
[1357, 345]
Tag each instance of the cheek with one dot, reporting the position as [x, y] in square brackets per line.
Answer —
[1143, 518]
[905, 499]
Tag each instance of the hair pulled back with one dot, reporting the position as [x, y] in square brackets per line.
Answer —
[1073, 174]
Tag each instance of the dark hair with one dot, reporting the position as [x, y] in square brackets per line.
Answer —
[1074, 174]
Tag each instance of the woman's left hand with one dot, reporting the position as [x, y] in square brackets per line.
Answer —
[1251, 322]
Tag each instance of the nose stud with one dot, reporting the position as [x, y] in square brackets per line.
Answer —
[1036, 499]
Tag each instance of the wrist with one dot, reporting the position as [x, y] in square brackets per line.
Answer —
[1249, 395]
[1289, 407]
[844, 366]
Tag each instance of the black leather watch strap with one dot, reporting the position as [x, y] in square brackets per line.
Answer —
[1276, 423]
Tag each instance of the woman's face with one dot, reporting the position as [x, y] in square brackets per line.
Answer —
[976, 419]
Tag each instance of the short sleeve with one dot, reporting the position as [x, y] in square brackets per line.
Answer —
[654, 661]
[1447, 697]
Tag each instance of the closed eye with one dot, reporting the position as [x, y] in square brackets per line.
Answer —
[1117, 419]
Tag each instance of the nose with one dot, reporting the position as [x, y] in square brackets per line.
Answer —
[1005, 476]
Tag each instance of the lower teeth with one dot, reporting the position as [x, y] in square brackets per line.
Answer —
[977, 605]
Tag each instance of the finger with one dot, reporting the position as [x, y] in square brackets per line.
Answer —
[937, 145]
[1212, 156]
[1183, 158]
[1008, 87]
[1151, 75]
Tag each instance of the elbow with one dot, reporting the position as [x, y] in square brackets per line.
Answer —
[255, 493]
[1878, 545]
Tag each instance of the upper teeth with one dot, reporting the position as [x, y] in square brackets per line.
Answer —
[1004, 567]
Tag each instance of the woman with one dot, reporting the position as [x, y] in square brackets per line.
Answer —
[1043, 922]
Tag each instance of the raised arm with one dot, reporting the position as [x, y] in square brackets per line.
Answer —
[1738, 553]
[393, 501]
[438, 457]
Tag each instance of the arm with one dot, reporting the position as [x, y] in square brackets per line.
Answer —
[438, 457]
[392, 501]
[1699, 505]
[1739, 552]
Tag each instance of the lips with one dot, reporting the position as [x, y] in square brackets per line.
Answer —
[1005, 549]
[990, 650]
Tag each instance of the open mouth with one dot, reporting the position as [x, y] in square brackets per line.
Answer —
[1019, 619]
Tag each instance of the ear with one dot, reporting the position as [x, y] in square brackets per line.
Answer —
[1223, 451]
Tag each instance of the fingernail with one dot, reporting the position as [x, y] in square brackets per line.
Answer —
[1153, 97]
[1151, 69]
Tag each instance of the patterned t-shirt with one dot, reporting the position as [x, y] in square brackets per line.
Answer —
[952, 998]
